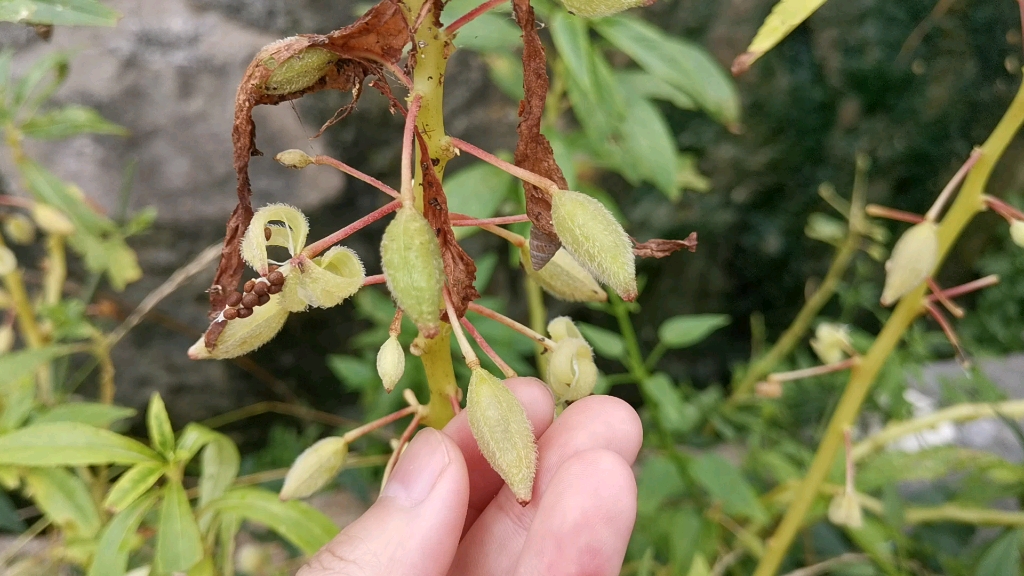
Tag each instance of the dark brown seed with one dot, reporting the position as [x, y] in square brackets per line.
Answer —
[230, 313]
[244, 312]
[249, 285]
[276, 278]
[264, 298]
[274, 289]
[267, 233]
[250, 300]
[272, 268]
[260, 289]
[234, 299]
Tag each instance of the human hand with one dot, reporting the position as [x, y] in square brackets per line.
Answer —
[445, 511]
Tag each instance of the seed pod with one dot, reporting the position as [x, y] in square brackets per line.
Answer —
[314, 468]
[564, 278]
[20, 229]
[831, 342]
[572, 373]
[1017, 232]
[912, 261]
[293, 158]
[298, 72]
[390, 363]
[248, 332]
[8, 261]
[411, 258]
[561, 328]
[844, 510]
[601, 8]
[322, 282]
[502, 432]
[51, 220]
[292, 235]
[596, 240]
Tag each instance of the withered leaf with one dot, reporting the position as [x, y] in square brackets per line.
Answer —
[363, 49]
[533, 151]
[658, 248]
[458, 266]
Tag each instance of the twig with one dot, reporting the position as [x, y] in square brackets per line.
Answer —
[341, 166]
[505, 368]
[472, 15]
[525, 175]
[324, 243]
[501, 318]
[985, 282]
[461, 220]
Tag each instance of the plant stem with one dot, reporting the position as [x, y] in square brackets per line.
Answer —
[940, 202]
[513, 238]
[408, 135]
[876, 211]
[460, 220]
[339, 165]
[524, 175]
[501, 364]
[356, 433]
[467, 350]
[813, 371]
[375, 279]
[967, 204]
[402, 442]
[437, 363]
[985, 282]
[320, 245]
[472, 15]
[502, 319]
[29, 329]
[538, 319]
[56, 270]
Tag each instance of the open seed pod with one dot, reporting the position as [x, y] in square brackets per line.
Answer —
[243, 335]
[572, 373]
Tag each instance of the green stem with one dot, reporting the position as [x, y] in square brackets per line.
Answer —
[437, 363]
[538, 320]
[634, 357]
[969, 202]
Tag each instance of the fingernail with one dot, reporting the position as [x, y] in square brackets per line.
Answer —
[418, 469]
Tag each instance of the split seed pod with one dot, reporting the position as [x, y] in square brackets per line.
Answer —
[1017, 232]
[564, 278]
[561, 328]
[912, 261]
[322, 282]
[298, 72]
[411, 258]
[601, 8]
[51, 220]
[596, 240]
[20, 229]
[291, 235]
[243, 335]
[391, 363]
[502, 432]
[831, 342]
[314, 468]
[572, 373]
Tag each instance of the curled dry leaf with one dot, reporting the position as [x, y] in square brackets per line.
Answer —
[533, 151]
[286, 70]
[658, 248]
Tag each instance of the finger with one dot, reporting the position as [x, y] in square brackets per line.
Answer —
[584, 520]
[492, 545]
[484, 482]
[415, 524]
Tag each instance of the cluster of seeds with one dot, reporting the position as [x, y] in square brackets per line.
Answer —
[254, 293]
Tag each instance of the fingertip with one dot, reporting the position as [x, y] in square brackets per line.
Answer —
[620, 420]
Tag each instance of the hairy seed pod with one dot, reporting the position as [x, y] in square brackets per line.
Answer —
[912, 261]
[596, 240]
[8, 261]
[298, 72]
[51, 220]
[324, 281]
[291, 235]
[572, 373]
[564, 278]
[561, 328]
[295, 159]
[831, 342]
[314, 468]
[502, 432]
[20, 229]
[253, 328]
[601, 8]
[1017, 232]
[844, 510]
[411, 258]
[390, 363]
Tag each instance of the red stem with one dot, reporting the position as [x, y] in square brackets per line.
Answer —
[376, 279]
[967, 288]
[1003, 209]
[339, 165]
[947, 328]
[954, 182]
[8, 200]
[877, 211]
[941, 298]
[505, 368]
[463, 220]
[325, 243]
[472, 15]
[410, 129]
[524, 175]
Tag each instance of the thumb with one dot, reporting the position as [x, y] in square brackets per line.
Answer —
[414, 526]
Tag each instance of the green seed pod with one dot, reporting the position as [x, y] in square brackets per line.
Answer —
[298, 72]
[291, 235]
[564, 278]
[844, 510]
[20, 229]
[411, 258]
[831, 342]
[572, 373]
[391, 363]
[561, 328]
[596, 240]
[293, 158]
[243, 335]
[8, 262]
[322, 282]
[51, 220]
[912, 261]
[1017, 232]
[502, 432]
[601, 8]
[314, 468]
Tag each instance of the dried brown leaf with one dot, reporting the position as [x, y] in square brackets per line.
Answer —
[533, 151]
[658, 248]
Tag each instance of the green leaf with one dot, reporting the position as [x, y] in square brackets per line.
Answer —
[297, 522]
[53, 66]
[58, 12]
[506, 72]
[677, 62]
[726, 484]
[674, 414]
[91, 413]
[18, 399]
[70, 444]
[69, 121]
[683, 331]
[161, 434]
[489, 32]
[477, 191]
[133, 484]
[605, 342]
[221, 462]
[600, 111]
[178, 543]
[1003, 556]
[657, 482]
[191, 440]
[644, 84]
[226, 534]
[649, 146]
[115, 541]
[65, 499]
[786, 15]
[355, 373]
[22, 363]
[9, 519]
[571, 36]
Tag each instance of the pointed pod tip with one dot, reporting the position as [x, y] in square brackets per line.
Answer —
[743, 62]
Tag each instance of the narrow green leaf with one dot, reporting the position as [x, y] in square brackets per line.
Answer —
[22, 363]
[785, 16]
[571, 36]
[91, 413]
[726, 484]
[221, 461]
[53, 67]
[674, 414]
[605, 342]
[115, 541]
[295, 521]
[65, 499]
[70, 444]
[133, 484]
[58, 12]
[650, 147]
[18, 399]
[683, 331]
[178, 543]
[646, 85]
[477, 191]
[230, 524]
[69, 121]
[191, 440]
[1003, 556]
[161, 434]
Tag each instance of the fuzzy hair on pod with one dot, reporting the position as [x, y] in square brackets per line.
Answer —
[411, 258]
[596, 240]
